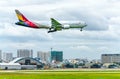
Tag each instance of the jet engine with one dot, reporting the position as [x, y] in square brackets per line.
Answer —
[66, 26]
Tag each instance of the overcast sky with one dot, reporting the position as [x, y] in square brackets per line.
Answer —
[102, 34]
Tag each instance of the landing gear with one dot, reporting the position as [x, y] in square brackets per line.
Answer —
[80, 29]
[54, 30]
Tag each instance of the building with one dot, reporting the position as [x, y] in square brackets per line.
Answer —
[7, 57]
[110, 58]
[28, 63]
[56, 56]
[10, 66]
[22, 63]
[24, 53]
[44, 56]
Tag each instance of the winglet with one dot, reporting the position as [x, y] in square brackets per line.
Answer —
[20, 16]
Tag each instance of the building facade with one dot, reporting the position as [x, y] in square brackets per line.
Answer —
[110, 58]
[28, 63]
[24, 53]
[44, 56]
[7, 57]
[56, 56]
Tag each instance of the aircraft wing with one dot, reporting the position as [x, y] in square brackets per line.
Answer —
[55, 24]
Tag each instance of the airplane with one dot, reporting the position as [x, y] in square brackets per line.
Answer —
[55, 25]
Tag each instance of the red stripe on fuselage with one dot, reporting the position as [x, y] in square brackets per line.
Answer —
[31, 24]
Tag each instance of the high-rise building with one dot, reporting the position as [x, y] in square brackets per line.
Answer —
[44, 56]
[110, 58]
[7, 57]
[24, 53]
[56, 56]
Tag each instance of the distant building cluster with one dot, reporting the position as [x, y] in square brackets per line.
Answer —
[25, 59]
[43, 56]
[53, 59]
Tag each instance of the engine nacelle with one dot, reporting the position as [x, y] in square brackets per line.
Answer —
[66, 26]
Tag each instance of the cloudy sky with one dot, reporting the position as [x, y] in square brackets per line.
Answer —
[102, 34]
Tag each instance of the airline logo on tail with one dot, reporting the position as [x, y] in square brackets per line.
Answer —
[24, 21]
[20, 16]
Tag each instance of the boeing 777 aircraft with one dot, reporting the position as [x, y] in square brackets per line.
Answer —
[55, 25]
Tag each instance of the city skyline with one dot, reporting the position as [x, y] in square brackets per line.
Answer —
[100, 36]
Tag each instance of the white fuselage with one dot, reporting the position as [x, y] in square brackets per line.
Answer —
[73, 25]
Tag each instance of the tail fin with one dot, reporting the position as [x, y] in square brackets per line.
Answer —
[20, 16]
[55, 23]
